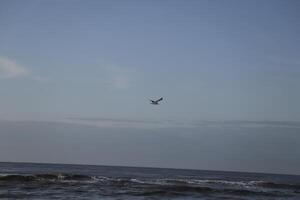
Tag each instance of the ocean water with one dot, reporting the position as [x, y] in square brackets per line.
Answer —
[57, 181]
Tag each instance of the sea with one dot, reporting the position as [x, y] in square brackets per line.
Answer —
[60, 181]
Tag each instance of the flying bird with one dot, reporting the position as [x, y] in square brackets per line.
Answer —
[156, 102]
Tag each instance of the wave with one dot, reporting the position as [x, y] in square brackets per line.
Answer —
[241, 184]
[44, 177]
[280, 186]
[214, 182]
[171, 191]
[124, 181]
[157, 187]
[175, 190]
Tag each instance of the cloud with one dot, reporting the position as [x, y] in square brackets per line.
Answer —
[128, 123]
[120, 81]
[139, 123]
[10, 69]
[248, 124]
[119, 77]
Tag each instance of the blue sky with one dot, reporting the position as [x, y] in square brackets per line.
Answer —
[80, 74]
[210, 60]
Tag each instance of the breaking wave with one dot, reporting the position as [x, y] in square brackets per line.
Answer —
[44, 177]
[160, 187]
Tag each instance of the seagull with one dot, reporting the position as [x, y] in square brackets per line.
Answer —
[155, 102]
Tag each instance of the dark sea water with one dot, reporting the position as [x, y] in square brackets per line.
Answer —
[56, 181]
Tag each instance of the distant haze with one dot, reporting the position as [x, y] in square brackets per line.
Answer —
[216, 146]
[76, 78]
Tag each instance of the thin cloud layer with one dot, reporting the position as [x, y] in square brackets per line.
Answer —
[110, 122]
[118, 77]
[10, 69]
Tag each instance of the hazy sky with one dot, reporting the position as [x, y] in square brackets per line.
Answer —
[211, 60]
[254, 147]
[98, 62]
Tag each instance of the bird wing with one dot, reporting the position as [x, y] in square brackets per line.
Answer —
[156, 101]
[159, 99]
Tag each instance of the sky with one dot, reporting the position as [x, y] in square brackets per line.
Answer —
[96, 63]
